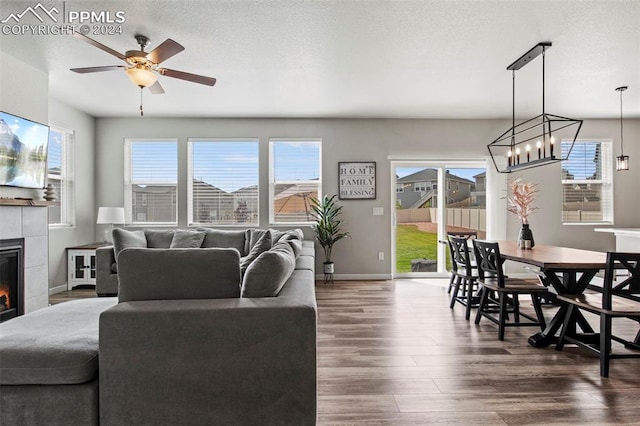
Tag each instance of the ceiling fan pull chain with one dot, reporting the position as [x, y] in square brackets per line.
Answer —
[141, 110]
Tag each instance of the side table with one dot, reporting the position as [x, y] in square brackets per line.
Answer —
[81, 264]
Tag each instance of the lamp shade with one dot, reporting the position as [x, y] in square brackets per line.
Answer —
[110, 215]
[141, 77]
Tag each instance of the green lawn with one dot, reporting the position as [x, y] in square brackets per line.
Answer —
[412, 243]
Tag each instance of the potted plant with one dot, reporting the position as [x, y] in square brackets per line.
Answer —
[327, 227]
[521, 202]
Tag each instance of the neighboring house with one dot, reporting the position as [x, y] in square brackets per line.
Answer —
[154, 203]
[157, 203]
[420, 189]
[479, 192]
[210, 203]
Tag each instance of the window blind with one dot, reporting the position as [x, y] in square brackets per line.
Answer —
[295, 178]
[587, 195]
[60, 166]
[223, 182]
[151, 176]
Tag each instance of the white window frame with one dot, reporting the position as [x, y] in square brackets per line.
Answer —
[422, 186]
[128, 184]
[66, 198]
[607, 179]
[217, 223]
[272, 182]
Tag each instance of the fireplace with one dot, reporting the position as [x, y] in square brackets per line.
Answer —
[11, 278]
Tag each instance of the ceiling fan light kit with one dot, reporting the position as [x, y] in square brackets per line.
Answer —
[141, 77]
[532, 143]
[142, 67]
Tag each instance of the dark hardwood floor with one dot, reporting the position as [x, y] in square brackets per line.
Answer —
[393, 353]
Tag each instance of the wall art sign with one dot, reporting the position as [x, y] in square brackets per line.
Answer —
[357, 180]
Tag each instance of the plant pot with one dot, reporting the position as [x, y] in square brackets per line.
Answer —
[525, 238]
[328, 267]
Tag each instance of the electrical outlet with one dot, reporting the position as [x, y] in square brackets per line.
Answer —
[380, 255]
[378, 211]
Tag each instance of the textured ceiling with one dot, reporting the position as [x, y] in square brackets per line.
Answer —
[349, 58]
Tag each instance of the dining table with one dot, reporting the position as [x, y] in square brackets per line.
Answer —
[563, 270]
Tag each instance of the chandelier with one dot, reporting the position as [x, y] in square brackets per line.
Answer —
[533, 143]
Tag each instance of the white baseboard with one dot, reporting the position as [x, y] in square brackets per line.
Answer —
[356, 277]
[58, 289]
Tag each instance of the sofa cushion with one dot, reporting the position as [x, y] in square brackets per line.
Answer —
[123, 239]
[266, 275]
[261, 245]
[55, 345]
[224, 239]
[160, 274]
[158, 239]
[306, 262]
[294, 237]
[253, 235]
[187, 239]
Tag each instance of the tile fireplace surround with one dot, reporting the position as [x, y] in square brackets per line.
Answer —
[30, 223]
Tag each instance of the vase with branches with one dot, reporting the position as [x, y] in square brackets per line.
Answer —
[327, 226]
[521, 200]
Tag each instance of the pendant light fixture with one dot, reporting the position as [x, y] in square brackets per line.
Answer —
[532, 143]
[622, 161]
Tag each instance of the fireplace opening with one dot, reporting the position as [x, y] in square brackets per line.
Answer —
[11, 279]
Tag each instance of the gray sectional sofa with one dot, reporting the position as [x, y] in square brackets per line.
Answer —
[242, 240]
[206, 335]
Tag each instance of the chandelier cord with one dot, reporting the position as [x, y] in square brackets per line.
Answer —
[621, 133]
[543, 85]
[513, 109]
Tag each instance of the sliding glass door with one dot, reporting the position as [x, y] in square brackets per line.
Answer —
[431, 199]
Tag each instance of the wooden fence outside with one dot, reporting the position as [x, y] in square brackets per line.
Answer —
[463, 218]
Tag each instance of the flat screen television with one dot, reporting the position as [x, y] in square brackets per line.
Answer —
[23, 152]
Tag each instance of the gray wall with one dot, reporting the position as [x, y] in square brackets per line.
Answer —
[83, 232]
[24, 91]
[375, 140]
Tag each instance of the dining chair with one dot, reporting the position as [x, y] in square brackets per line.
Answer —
[464, 273]
[492, 280]
[620, 297]
[466, 235]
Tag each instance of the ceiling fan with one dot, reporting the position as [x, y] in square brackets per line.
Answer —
[142, 67]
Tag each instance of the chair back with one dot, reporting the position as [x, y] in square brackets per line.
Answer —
[626, 286]
[488, 260]
[460, 255]
[454, 264]
[465, 234]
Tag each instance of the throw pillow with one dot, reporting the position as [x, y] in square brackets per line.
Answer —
[252, 237]
[187, 239]
[260, 246]
[158, 239]
[217, 238]
[294, 237]
[167, 274]
[266, 275]
[123, 239]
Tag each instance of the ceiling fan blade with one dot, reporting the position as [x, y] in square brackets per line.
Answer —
[156, 88]
[164, 51]
[195, 78]
[99, 45]
[97, 69]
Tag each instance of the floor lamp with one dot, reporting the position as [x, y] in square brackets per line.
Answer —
[109, 216]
